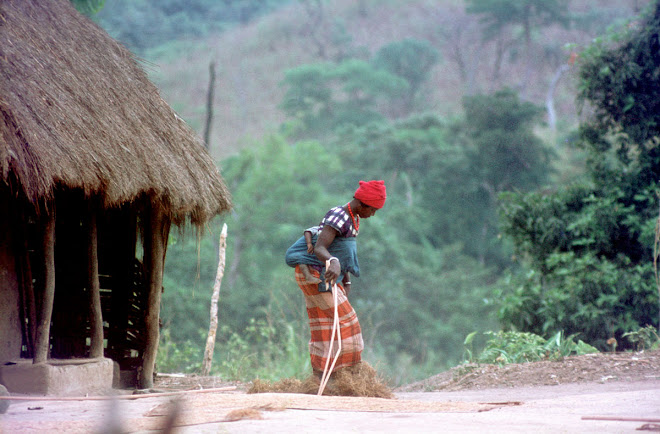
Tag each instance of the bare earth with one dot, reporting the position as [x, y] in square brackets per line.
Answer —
[602, 393]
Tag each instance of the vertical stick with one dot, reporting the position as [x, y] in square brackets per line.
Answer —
[209, 107]
[656, 253]
[154, 258]
[42, 343]
[213, 325]
[93, 286]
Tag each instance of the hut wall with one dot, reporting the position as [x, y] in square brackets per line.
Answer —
[10, 325]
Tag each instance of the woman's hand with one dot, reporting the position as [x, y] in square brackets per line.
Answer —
[326, 237]
[333, 271]
[347, 288]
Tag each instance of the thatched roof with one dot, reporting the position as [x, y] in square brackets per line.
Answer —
[78, 111]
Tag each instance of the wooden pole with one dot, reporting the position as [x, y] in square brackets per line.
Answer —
[93, 286]
[29, 310]
[209, 107]
[42, 343]
[656, 253]
[213, 325]
[154, 258]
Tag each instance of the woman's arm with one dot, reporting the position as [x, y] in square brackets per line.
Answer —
[326, 237]
[347, 283]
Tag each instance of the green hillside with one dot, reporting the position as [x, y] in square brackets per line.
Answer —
[251, 59]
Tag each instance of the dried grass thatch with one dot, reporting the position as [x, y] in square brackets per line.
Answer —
[78, 111]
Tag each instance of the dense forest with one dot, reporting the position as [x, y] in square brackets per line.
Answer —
[518, 140]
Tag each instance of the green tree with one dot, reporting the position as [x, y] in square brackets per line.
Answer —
[143, 24]
[498, 15]
[411, 60]
[589, 248]
[503, 154]
[321, 97]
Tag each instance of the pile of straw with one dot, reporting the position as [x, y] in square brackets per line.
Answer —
[359, 380]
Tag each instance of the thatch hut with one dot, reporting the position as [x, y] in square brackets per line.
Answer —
[94, 169]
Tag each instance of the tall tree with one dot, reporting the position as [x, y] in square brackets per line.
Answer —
[497, 15]
[503, 154]
[590, 246]
[325, 95]
[410, 59]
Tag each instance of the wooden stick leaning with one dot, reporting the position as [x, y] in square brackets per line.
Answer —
[213, 324]
[335, 330]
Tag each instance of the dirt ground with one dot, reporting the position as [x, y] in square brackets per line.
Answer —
[597, 367]
[602, 393]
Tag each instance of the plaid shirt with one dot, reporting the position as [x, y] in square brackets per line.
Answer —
[340, 220]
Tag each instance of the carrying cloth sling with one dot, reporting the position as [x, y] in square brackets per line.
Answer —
[344, 249]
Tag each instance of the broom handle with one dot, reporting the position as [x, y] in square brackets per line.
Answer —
[335, 330]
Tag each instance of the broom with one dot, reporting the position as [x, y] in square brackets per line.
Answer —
[335, 330]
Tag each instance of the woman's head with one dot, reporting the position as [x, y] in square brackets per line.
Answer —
[372, 196]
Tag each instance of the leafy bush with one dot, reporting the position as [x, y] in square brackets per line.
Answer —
[260, 351]
[177, 357]
[592, 296]
[503, 348]
[644, 338]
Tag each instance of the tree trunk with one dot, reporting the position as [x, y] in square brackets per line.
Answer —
[549, 98]
[209, 107]
[42, 343]
[213, 326]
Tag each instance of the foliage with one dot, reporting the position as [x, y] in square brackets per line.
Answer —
[644, 338]
[504, 149]
[177, 356]
[503, 348]
[502, 153]
[325, 95]
[588, 248]
[88, 7]
[410, 59]
[447, 175]
[260, 350]
[144, 24]
[581, 294]
[620, 78]
[497, 14]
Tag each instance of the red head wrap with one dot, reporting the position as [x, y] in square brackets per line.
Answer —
[372, 193]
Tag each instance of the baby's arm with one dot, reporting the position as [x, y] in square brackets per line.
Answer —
[308, 240]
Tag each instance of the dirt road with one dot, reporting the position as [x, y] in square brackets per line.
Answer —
[537, 409]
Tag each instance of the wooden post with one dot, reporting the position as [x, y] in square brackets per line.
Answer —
[213, 325]
[29, 310]
[154, 260]
[93, 286]
[656, 253]
[42, 343]
[209, 107]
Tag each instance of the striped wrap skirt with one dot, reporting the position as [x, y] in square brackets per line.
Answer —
[321, 313]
